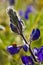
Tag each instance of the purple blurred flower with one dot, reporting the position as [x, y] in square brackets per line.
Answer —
[25, 14]
[29, 9]
[11, 2]
[27, 60]
[21, 13]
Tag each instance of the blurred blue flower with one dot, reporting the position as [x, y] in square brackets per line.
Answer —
[11, 2]
[35, 34]
[21, 13]
[27, 60]
[26, 13]
[29, 9]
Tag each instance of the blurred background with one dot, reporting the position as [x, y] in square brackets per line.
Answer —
[7, 37]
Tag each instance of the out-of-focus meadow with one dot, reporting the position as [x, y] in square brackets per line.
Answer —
[7, 37]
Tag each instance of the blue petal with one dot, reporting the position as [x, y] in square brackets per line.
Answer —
[27, 60]
[13, 50]
[25, 48]
[35, 34]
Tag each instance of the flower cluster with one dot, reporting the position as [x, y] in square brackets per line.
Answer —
[16, 25]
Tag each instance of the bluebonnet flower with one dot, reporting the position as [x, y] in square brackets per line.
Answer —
[13, 49]
[40, 54]
[11, 2]
[27, 60]
[16, 26]
[35, 34]
[26, 13]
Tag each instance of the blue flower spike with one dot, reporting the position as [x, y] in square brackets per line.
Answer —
[35, 34]
[12, 49]
[40, 54]
[27, 60]
[16, 22]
